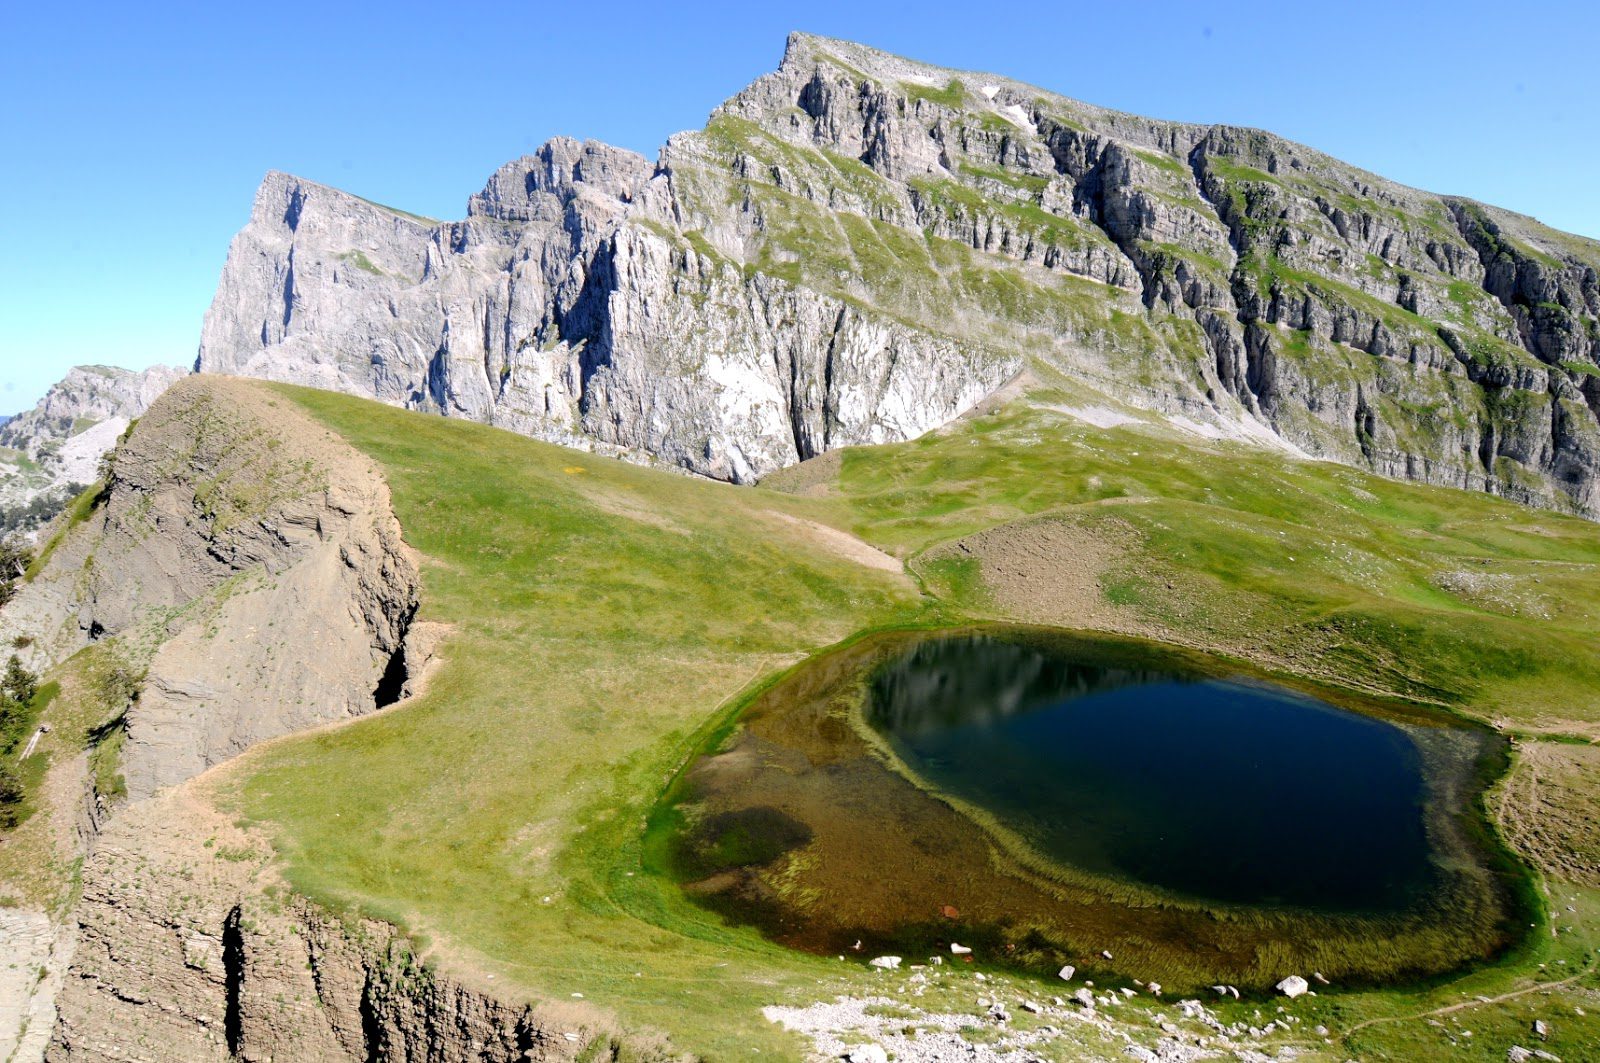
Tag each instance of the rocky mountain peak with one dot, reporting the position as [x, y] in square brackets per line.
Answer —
[857, 247]
[538, 187]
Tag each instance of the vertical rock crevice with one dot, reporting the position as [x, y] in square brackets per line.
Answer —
[376, 1050]
[399, 670]
[233, 962]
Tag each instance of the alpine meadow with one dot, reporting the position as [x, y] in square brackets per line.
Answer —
[924, 569]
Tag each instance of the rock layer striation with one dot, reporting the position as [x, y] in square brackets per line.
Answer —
[190, 951]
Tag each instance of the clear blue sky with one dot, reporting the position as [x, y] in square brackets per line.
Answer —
[134, 135]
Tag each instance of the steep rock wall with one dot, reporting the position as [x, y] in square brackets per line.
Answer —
[857, 247]
[544, 313]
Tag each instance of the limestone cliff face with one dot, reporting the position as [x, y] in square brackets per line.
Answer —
[249, 561]
[857, 247]
[567, 306]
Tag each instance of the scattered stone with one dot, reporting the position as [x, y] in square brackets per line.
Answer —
[1320, 979]
[1293, 986]
[1028, 1005]
[998, 1012]
[1127, 992]
[868, 1054]
[1105, 954]
[1084, 998]
[959, 950]
[1066, 973]
[1155, 988]
[1518, 1054]
[888, 963]
[1541, 1029]
[1320, 1030]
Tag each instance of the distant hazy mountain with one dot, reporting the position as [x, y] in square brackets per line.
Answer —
[58, 443]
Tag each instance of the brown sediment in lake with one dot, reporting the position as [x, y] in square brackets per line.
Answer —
[872, 855]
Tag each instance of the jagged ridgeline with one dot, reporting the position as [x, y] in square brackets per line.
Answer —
[857, 247]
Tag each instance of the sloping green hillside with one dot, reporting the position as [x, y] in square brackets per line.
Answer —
[603, 614]
[1439, 595]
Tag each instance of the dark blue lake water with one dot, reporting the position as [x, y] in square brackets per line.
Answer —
[1227, 791]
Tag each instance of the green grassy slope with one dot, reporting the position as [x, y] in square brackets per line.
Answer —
[1436, 594]
[603, 614]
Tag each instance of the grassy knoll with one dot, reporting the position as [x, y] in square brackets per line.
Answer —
[603, 614]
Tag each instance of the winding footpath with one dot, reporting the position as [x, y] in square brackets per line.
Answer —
[1465, 1005]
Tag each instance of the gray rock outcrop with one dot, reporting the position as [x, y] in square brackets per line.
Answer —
[858, 247]
[226, 512]
[1293, 986]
